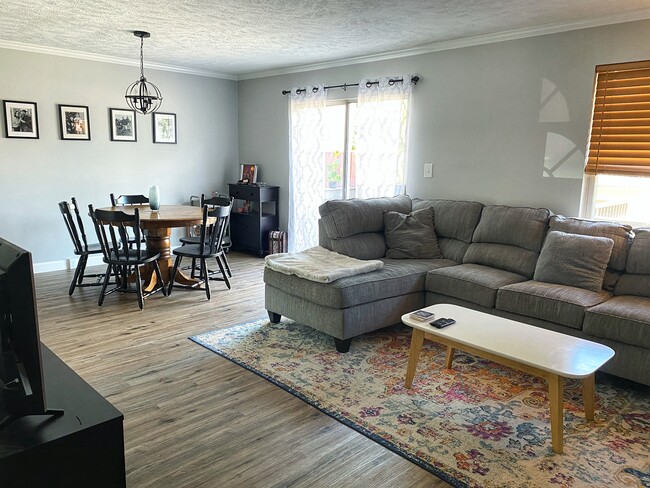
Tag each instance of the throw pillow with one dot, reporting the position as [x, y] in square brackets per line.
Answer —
[574, 260]
[411, 235]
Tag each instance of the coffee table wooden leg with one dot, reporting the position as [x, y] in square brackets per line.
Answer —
[589, 395]
[450, 357]
[417, 339]
[556, 395]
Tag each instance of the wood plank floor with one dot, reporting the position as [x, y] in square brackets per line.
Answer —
[192, 418]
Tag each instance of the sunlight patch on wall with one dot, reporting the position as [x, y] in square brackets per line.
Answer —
[562, 158]
[553, 105]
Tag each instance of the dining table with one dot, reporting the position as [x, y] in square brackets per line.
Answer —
[157, 226]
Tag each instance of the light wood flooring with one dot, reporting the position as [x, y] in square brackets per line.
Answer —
[192, 418]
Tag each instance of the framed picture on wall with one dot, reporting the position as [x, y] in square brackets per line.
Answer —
[248, 172]
[123, 125]
[164, 128]
[74, 122]
[21, 119]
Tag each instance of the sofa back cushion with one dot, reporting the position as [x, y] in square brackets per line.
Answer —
[509, 238]
[454, 222]
[621, 234]
[345, 218]
[636, 280]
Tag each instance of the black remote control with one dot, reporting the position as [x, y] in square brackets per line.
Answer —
[442, 323]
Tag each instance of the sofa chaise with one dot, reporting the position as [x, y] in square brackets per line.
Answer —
[589, 279]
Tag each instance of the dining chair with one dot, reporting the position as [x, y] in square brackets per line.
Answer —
[129, 200]
[215, 201]
[111, 228]
[82, 249]
[208, 246]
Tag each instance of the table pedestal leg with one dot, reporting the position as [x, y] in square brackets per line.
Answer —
[417, 339]
[556, 395]
[589, 395]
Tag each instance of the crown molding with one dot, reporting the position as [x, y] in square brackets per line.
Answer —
[103, 58]
[458, 43]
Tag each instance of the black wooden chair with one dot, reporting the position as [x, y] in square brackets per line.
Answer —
[209, 246]
[111, 228]
[82, 249]
[216, 201]
[129, 200]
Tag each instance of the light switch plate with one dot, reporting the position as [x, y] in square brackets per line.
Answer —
[428, 170]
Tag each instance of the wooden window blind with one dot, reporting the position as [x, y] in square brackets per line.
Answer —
[619, 143]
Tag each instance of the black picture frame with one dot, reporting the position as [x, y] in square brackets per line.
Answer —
[164, 128]
[123, 125]
[74, 122]
[21, 119]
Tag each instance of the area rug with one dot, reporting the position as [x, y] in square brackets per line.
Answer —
[477, 425]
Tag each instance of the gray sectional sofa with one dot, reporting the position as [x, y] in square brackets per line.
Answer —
[584, 278]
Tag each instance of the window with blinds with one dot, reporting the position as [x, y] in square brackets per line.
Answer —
[619, 143]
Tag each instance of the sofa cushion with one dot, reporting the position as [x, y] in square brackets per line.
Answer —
[638, 259]
[343, 218]
[455, 222]
[574, 260]
[397, 277]
[633, 284]
[621, 234]
[411, 235]
[509, 238]
[367, 245]
[623, 319]
[560, 304]
[471, 282]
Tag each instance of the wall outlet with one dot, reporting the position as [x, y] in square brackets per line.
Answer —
[428, 170]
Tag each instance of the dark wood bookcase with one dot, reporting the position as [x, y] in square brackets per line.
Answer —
[254, 214]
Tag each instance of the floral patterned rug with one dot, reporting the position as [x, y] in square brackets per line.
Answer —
[479, 424]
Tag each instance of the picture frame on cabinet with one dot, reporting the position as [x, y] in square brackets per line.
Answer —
[74, 122]
[248, 172]
[21, 119]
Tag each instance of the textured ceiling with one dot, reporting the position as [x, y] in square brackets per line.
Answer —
[237, 37]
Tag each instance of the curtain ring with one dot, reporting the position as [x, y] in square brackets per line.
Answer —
[368, 84]
[345, 87]
[314, 89]
[391, 82]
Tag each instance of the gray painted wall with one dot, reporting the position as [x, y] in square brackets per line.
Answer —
[36, 174]
[490, 118]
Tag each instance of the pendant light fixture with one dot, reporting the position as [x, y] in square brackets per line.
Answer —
[142, 96]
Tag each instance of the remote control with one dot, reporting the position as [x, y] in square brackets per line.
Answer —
[442, 323]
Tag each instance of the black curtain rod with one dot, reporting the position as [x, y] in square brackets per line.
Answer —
[392, 81]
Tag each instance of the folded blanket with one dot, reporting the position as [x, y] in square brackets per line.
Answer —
[319, 264]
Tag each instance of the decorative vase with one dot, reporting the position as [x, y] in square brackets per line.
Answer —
[154, 197]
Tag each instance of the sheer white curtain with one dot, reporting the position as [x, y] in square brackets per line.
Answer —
[381, 134]
[306, 163]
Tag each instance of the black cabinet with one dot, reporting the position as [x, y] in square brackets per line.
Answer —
[83, 447]
[254, 214]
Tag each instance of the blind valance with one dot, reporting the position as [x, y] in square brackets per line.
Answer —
[619, 143]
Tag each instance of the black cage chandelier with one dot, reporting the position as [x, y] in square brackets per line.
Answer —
[142, 96]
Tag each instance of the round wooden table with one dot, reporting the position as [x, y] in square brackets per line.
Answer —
[157, 226]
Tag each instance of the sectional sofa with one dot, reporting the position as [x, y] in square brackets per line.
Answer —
[589, 279]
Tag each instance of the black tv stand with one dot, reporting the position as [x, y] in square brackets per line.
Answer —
[10, 419]
[83, 448]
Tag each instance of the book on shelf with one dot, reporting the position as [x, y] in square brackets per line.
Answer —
[422, 315]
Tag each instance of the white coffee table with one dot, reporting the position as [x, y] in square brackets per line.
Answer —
[531, 349]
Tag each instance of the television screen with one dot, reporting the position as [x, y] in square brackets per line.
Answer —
[21, 370]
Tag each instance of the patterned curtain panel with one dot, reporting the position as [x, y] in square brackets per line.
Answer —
[381, 130]
[306, 185]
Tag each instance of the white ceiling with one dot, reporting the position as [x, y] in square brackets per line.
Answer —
[245, 38]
